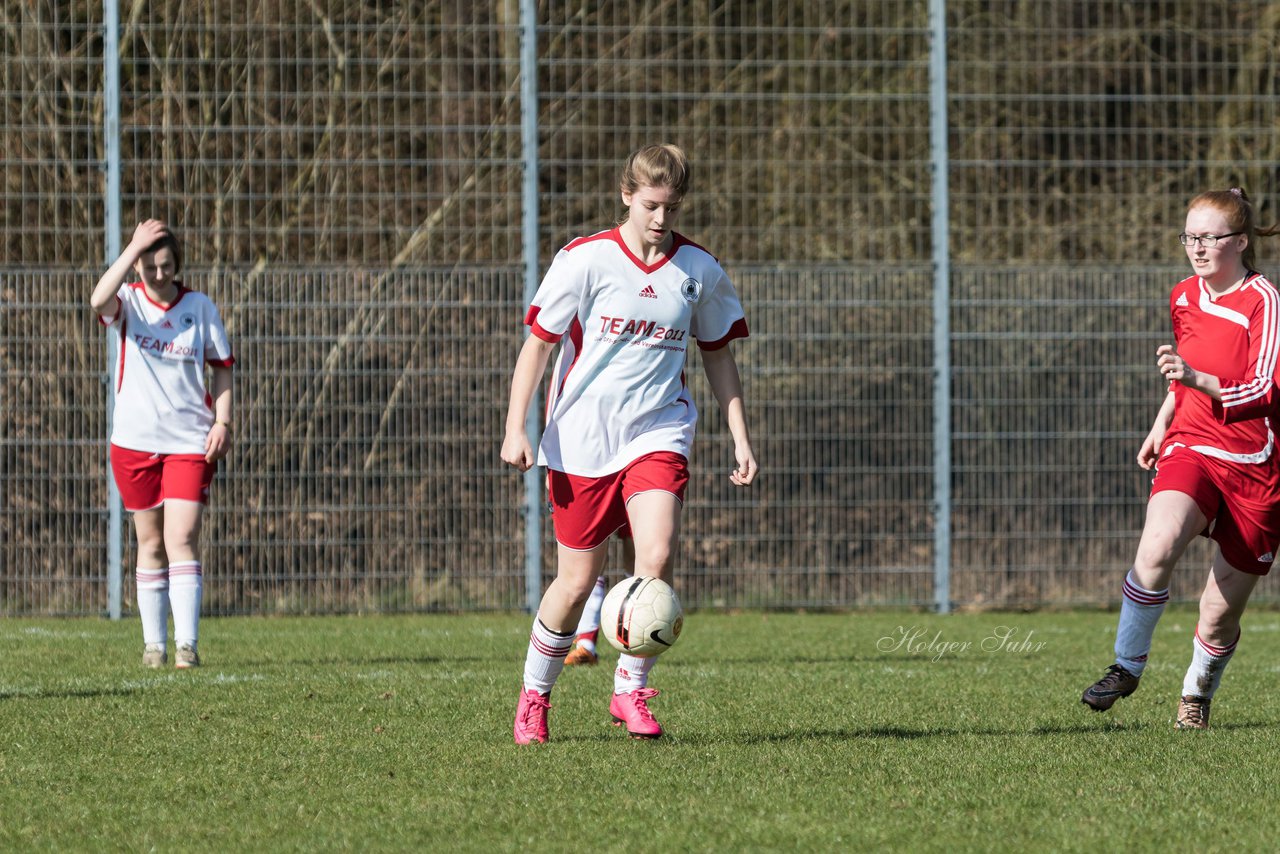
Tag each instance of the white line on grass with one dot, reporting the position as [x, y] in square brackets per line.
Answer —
[41, 632]
[85, 686]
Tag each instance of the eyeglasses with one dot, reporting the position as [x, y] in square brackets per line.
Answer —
[1208, 241]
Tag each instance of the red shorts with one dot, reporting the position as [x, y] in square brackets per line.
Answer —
[146, 480]
[1241, 502]
[586, 510]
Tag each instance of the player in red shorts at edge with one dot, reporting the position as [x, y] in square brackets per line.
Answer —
[623, 305]
[168, 432]
[1213, 448]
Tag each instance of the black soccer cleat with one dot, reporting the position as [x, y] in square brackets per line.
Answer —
[1117, 683]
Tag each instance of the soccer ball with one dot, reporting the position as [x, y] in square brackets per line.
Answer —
[642, 616]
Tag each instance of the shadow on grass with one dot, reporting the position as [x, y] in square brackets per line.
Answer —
[237, 671]
[906, 734]
[72, 693]
[366, 661]
[902, 733]
[810, 660]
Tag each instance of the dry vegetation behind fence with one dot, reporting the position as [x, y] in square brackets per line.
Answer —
[347, 177]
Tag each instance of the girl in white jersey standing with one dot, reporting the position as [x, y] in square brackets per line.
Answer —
[168, 431]
[623, 305]
[1213, 448]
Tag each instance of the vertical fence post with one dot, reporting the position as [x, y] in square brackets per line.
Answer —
[529, 229]
[941, 225]
[111, 245]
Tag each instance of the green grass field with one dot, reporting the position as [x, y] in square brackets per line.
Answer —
[785, 732]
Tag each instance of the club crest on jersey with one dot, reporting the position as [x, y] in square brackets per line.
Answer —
[187, 321]
[691, 289]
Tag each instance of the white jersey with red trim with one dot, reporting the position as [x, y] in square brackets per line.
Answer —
[161, 402]
[617, 391]
[1235, 338]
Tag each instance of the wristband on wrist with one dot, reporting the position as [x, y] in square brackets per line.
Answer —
[226, 424]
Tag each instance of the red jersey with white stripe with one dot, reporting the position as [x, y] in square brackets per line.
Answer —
[617, 391]
[1235, 338]
[161, 402]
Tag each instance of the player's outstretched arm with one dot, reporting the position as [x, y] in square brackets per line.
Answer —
[530, 366]
[145, 235]
[726, 384]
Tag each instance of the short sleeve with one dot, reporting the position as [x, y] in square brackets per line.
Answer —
[217, 351]
[114, 317]
[719, 318]
[556, 303]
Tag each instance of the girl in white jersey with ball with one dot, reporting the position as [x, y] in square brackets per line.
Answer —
[168, 431]
[623, 305]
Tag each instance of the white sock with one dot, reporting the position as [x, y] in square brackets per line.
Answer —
[590, 620]
[153, 604]
[1140, 610]
[1207, 664]
[185, 585]
[632, 673]
[545, 658]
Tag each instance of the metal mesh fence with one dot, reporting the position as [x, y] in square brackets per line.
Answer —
[53, 521]
[367, 479]
[51, 135]
[346, 178]
[1082, 127]
[807, 122]
[839, 368]
[1051, 398]
[326, 132]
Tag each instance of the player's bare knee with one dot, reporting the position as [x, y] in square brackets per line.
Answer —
[1152, 576]
[579, 596]
[1219, 622]
[655, 561]
[151, 550]
[1154, 563]
[181, 546]
[574, 591]
[1221, 630]
[152, 556]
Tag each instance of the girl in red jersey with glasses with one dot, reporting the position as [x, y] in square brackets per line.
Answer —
[1214, 451]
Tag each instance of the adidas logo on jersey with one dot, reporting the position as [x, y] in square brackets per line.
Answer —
[1266, 558]
[166, 325]
[1182, 300]
[649, 292]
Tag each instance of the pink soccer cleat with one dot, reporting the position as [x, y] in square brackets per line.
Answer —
[632, 709]
[531, 717]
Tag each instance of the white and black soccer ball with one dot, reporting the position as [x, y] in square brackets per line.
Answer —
[642, 616]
